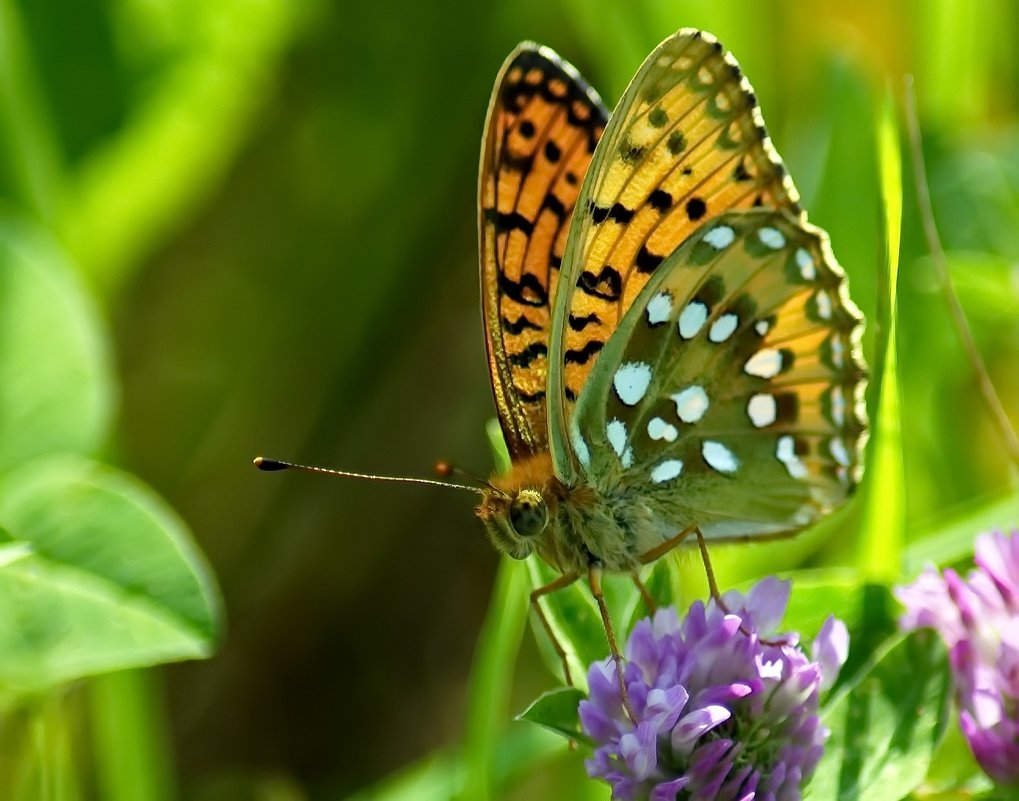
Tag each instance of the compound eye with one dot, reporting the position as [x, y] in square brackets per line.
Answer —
[528, 513]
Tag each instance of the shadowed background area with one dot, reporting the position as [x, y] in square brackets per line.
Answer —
[274, 203]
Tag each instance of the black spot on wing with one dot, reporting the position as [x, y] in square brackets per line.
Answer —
[584, 354]
[580, 323]
[527, 291]
[647, 261]
[695, 208]
[607, 285]
[509, 221]
[520, 324]
[555, 205]
[660, 200]
[531, 397]
[528, 355]
[598, 213]
[620, 213]
[517, 163]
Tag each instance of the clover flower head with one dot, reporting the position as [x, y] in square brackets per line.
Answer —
[724, 707]
[978, 618]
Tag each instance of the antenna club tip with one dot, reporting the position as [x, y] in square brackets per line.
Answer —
[269, 465]
[443, 468]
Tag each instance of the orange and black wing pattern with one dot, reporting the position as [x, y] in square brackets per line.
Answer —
[542, 127]
[686, 143]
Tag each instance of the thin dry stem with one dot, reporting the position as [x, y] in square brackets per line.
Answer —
[923, 197]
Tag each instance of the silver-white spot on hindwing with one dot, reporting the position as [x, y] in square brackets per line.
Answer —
[692, 319]
[659, 308]
[822, 301]
[766, 363]
[806, 264]
[666, 470]
[786, 453]
[616, 432]
[719, 457]
[657, 428]
[580, 446]
[838, 451]
[719, 237]
[771, 237]
[723, 328]
[838, 352]
[631, 382]
[691, 403]
[838, 406]
[763, 410]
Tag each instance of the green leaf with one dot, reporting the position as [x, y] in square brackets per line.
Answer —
[56, 382]
[885, 724]
[953, 539]
[127, 196]
[558, 711]
[879, 552]
[574, 618]
[492, 677]
[110, 578]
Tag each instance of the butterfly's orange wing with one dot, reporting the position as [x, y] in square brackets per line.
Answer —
[687, 143]
[542, 127]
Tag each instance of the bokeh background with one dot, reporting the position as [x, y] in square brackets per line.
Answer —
[272, 203]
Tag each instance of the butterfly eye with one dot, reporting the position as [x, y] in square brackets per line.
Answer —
[528, 513]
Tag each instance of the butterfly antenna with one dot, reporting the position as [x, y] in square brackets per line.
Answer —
[274, 465]
[446, 469]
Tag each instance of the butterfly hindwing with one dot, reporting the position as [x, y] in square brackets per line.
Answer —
[686, 142]
[730, 395]
[542, 127]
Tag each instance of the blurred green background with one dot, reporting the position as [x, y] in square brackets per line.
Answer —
[271, 205]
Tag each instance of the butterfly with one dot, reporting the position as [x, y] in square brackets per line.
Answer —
[672, 347]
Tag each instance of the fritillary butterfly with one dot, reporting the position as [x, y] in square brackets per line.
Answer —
[672, 347]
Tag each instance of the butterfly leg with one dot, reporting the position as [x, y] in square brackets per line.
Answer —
[663, 548]
[716, 596]
[594, 575]
[565, 580]
[660, 550]
[649, 602]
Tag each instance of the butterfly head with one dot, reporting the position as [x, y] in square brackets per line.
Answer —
[516, 520]
[518, 509]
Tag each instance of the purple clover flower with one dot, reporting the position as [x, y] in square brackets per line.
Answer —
[720, 714]
[978, 618]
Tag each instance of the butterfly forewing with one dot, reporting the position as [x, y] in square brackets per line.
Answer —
[686, 143]
[543, 125]
[730, 395]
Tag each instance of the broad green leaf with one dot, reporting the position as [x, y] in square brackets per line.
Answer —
[56, 382]
[885, 723]
[558, 711]
[110, 578]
